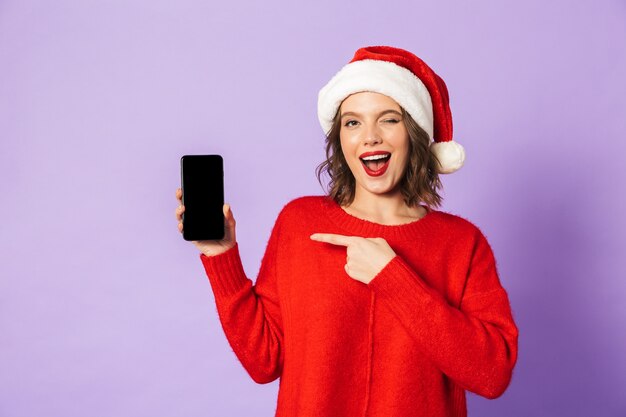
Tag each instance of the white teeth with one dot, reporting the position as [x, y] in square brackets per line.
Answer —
[375, 157]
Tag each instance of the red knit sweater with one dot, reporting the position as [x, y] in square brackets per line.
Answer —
[433, 323]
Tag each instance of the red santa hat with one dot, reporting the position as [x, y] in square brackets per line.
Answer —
[411, 83]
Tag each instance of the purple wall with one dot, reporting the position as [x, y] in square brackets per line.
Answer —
[106, 311]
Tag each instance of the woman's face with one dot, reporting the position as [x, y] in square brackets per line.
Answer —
[374, 141]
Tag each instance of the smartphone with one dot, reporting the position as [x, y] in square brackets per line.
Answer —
[202, 183]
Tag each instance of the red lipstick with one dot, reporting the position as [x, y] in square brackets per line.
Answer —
[375, 167]
[363, 155]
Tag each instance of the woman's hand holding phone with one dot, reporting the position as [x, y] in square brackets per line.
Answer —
[210, 247]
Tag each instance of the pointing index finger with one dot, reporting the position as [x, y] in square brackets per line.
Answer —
[333, 239]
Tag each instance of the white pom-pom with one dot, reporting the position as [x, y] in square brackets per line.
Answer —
[451, 156]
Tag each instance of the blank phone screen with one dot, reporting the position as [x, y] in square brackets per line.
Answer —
[203, 197]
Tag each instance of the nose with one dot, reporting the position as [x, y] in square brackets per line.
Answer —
[372, 136]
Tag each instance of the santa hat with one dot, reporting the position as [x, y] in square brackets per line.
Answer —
[410, 82]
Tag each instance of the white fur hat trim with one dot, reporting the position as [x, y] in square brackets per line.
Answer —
[381, 77]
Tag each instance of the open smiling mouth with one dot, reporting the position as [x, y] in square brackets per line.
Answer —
[375, 163]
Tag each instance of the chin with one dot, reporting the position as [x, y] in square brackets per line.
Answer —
[379, 189]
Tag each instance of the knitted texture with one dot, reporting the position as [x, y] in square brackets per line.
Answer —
[433, 323]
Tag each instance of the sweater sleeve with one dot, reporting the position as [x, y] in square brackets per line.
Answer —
[476, 344]
[250, 314]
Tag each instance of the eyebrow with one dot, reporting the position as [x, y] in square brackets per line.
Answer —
[351, 113]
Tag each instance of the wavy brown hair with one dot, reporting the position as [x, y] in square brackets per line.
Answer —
[419, 183]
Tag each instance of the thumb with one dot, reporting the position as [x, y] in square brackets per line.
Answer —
[228, 214]
[229, 224]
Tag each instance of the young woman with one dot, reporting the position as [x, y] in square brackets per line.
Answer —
[369, 301]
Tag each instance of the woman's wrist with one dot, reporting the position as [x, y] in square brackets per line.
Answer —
[211, 254]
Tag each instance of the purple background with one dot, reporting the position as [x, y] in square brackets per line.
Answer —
[106, 311]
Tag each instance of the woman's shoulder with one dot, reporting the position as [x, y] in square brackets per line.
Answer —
[299, 212]
[457, 224]
[303, 205]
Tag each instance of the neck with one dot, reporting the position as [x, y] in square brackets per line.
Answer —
[383, 208]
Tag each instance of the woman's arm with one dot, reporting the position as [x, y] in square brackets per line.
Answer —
[250, 314]
[474, 345]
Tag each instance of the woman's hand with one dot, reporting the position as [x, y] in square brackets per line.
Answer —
[365, 257]
[210, 247]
